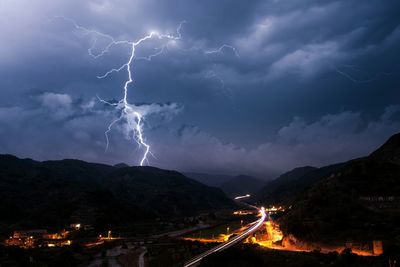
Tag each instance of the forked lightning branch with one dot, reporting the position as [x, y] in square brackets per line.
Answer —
[129, 113]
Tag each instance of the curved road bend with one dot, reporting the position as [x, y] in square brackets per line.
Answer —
[231, 242]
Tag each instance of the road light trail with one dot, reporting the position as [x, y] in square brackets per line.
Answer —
[231, 242]
[240, 197]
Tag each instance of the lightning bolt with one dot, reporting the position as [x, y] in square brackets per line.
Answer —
[345, 74]
[221, 50]
[129, 112]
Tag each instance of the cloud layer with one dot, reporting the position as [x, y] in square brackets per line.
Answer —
[312, 82]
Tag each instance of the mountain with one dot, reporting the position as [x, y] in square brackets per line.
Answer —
[121, 165]
[287, 187]
[231, 185]
[209, 179]
[360, 200]
[166, 193]
[390, 151]
[55, 193]
[241, 185]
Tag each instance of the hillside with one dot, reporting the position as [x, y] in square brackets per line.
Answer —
[287, 187]
[389, 152]
[231, 185]
[56, 193]
[241, 185]
[209, 179]
[166, 193]
[358, 201]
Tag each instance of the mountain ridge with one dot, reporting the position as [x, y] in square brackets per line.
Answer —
[359, 200]
[55, 193]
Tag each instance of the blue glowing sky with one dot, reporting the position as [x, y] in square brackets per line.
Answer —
[315, 82]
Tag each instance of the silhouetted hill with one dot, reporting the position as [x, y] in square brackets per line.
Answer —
[231, 185]
[287, 187]
[241, 185]
[390, 151]
[165, 192]
[358, 201]
[209, 179]
[55, 193]
[121, 165]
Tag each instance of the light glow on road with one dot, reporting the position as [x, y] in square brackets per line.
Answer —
[240, 197]
[232, 241]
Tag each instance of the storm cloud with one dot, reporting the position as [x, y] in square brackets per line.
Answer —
[312, 82]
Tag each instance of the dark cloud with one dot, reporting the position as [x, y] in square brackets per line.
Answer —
[263, 111]
[331, 138]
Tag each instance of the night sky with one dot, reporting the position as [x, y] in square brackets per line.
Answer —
[312, 83]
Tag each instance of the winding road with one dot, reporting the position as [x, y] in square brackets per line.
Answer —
[255, 226]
